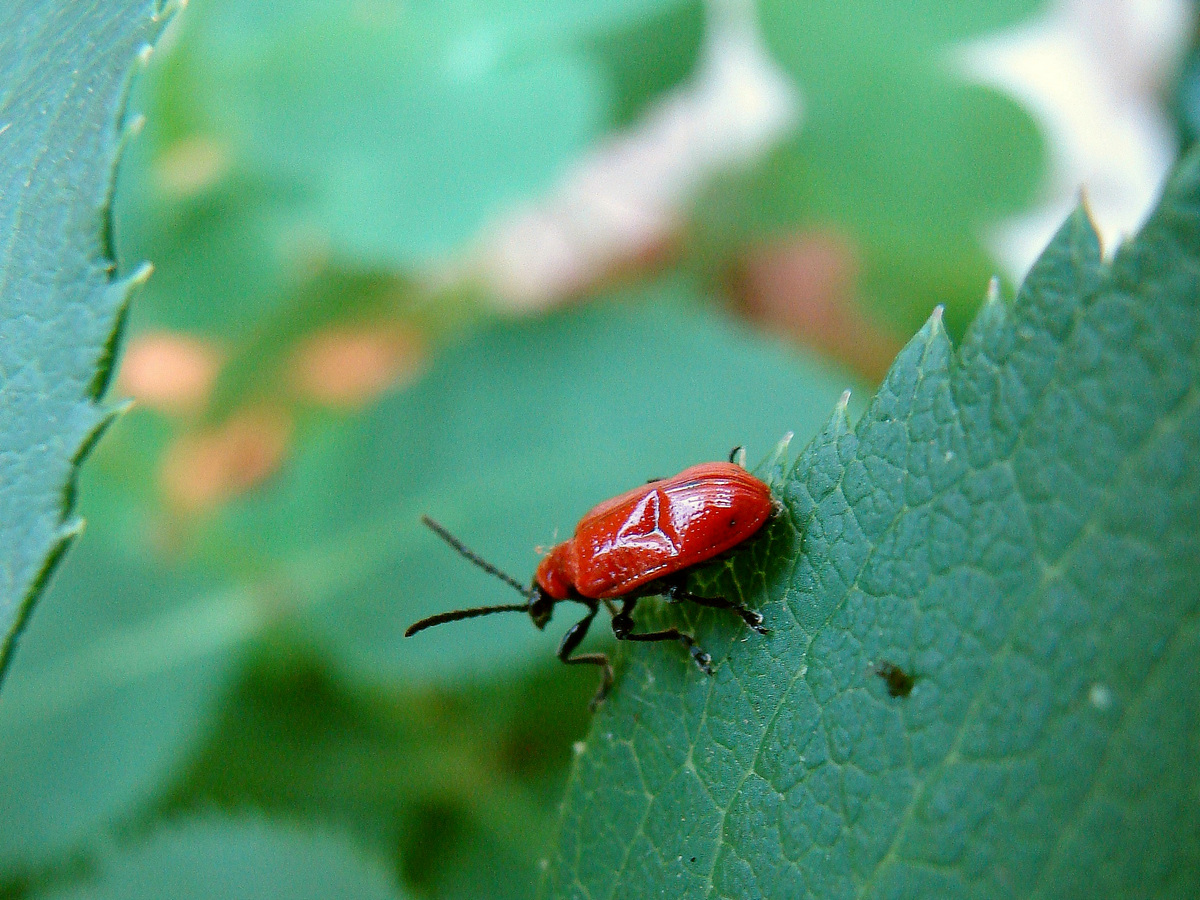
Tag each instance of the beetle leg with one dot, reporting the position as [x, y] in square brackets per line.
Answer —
[622, 626]
[749, 616]
[571, 640]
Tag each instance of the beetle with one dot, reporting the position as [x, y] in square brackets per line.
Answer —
[640, 543]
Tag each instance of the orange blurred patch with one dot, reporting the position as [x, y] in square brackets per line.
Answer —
[168, 371]
[352, 366]
[804, 287]
[203, 470]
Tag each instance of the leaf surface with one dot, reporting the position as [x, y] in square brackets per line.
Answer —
[64, 72]
[1014, 524]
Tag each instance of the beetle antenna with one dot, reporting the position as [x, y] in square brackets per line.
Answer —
[462, 614]
[474, 557]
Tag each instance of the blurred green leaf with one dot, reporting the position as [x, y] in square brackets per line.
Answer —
[397, 133]
[286, 139]
[403, 163]
[896, 152]
[65, 75]
[1015, 524]
[487, 30]
[218, 858]
[118, 673]
[531, 23]
[219, 268]
[462, 786]
[647, 58]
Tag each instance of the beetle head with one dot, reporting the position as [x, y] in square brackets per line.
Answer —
[541, 606]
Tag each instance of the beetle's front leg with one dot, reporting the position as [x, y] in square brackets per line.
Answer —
[572, 639]
[622, 626]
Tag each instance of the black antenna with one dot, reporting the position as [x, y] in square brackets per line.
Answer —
[457, 614]
[462, 614]
[473, 556]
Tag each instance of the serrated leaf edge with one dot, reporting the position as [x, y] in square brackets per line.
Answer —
[124, 287]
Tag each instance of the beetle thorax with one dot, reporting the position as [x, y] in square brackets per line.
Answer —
[555, 573]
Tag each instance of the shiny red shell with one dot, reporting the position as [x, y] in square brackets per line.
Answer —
[656, 530]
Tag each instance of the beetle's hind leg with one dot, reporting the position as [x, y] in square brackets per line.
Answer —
[571, 640]
[675, 592]
[622, 626]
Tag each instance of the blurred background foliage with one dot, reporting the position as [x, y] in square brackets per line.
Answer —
[490, 260]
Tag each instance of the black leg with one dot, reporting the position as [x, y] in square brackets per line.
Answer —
[749, 616]
[622, 625]
[571, 640]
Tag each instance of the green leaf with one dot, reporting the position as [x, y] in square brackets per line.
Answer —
[465, 785]
[1016, 524]
[282, 139]
[650, 57]
[119, 672]
[434, 152]
[215, 858]
[395, 135]
[64, 75]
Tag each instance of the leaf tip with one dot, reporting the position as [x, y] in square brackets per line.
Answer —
[990, 316]
[1083, 201]
[121, 407]
[839, 422]
[936, 322]
[780, 451]
[931, 336]
[72, 528]
[1085, 218]
[140, 275]
[133, 128]
[773, 469]
[993, 290]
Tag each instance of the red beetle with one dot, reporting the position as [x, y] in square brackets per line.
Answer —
[637, 544]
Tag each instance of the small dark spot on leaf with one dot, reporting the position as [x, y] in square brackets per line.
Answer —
[899, 683]
[693, 859]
